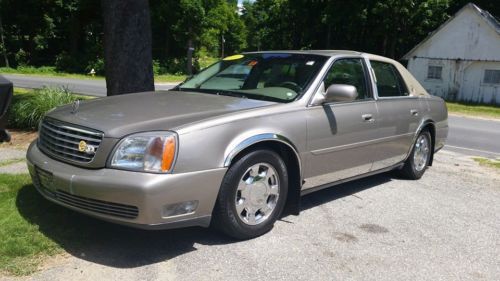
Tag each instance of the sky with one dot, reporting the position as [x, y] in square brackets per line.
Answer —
[241, 1]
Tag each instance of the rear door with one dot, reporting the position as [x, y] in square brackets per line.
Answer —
[398, 115]
[339, 135]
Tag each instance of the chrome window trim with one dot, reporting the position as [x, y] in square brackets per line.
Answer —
[324, 72]
[374, 81]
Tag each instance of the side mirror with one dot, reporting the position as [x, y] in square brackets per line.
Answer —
[340, 93]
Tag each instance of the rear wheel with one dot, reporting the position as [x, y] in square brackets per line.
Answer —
[416, 164]
[252, 195]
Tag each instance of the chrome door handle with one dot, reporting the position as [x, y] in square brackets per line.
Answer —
[414, 112]
[367, 117]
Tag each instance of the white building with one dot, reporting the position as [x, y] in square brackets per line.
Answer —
[461, 59]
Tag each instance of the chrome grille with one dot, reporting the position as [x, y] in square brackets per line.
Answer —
[98, 206]
[62, 141]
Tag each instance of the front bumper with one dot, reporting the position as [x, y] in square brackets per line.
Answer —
[124, 197]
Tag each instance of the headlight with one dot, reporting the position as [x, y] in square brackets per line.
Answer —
[149, 152]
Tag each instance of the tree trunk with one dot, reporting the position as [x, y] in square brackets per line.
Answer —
[127, 46]
[4, 48]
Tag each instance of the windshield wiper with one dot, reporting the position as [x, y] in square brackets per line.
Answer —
[230, 94]
[237, 94]
[216, 92]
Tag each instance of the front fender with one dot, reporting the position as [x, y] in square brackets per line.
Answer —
[239, 145]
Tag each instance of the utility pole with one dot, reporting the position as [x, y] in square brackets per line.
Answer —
[222, 45]
[189, 65]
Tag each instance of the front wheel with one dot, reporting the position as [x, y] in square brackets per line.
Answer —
[416, 164]
[252, 195]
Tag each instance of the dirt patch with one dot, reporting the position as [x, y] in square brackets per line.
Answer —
[346, 237]
[20, 139]
[373, 228]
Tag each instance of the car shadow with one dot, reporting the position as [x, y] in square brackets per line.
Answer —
[106, 243]
[124, 247]
[343, 190]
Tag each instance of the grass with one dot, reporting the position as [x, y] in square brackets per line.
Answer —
[169, 78]
[50, 71]
[10, 161]
[487, 162]
[28, 107]
[22, 245]
[474, 110]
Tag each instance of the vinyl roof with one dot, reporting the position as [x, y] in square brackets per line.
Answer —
[311, 52]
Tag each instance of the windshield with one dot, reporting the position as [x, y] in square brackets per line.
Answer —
[278, 77]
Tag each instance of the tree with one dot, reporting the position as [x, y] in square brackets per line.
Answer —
[222, 21]
[127, 46]
[4, 49]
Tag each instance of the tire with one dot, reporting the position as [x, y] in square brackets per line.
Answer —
[416, 164]
[244, 191]
[4, 136]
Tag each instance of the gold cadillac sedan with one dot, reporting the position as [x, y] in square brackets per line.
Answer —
[237, 143]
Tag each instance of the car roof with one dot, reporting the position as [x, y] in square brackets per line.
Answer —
[328, 53]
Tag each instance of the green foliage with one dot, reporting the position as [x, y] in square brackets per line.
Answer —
[68, 34]
[97, 65]
[388, 28]
[42, 70]
[28, 109]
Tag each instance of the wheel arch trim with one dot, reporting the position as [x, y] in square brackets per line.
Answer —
[255, 139]
[422, 125]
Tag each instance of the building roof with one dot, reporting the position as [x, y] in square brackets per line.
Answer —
[485, 15]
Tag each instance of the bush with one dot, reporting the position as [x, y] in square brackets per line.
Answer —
[27, 110]
[29, 70]
[97, 65]
[157, 69]
[65, 62]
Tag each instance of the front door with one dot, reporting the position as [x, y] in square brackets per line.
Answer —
[339, 135]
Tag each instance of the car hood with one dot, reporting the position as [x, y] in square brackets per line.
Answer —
[121, 115]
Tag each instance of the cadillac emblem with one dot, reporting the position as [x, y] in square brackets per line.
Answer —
[82, 146]
[87, 148]
[75, 106]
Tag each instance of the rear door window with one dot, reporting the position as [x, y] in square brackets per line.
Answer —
[389, 81]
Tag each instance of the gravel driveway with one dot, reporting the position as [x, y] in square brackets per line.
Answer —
[444, 227]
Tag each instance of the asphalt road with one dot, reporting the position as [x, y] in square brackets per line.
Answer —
[474, 136]
[91, 87]
[441, 227]
[466, 135]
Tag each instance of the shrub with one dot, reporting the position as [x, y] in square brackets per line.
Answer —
[157, 68]
[97, 65]
[29, 70]
[27, 110]
[66, 63]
